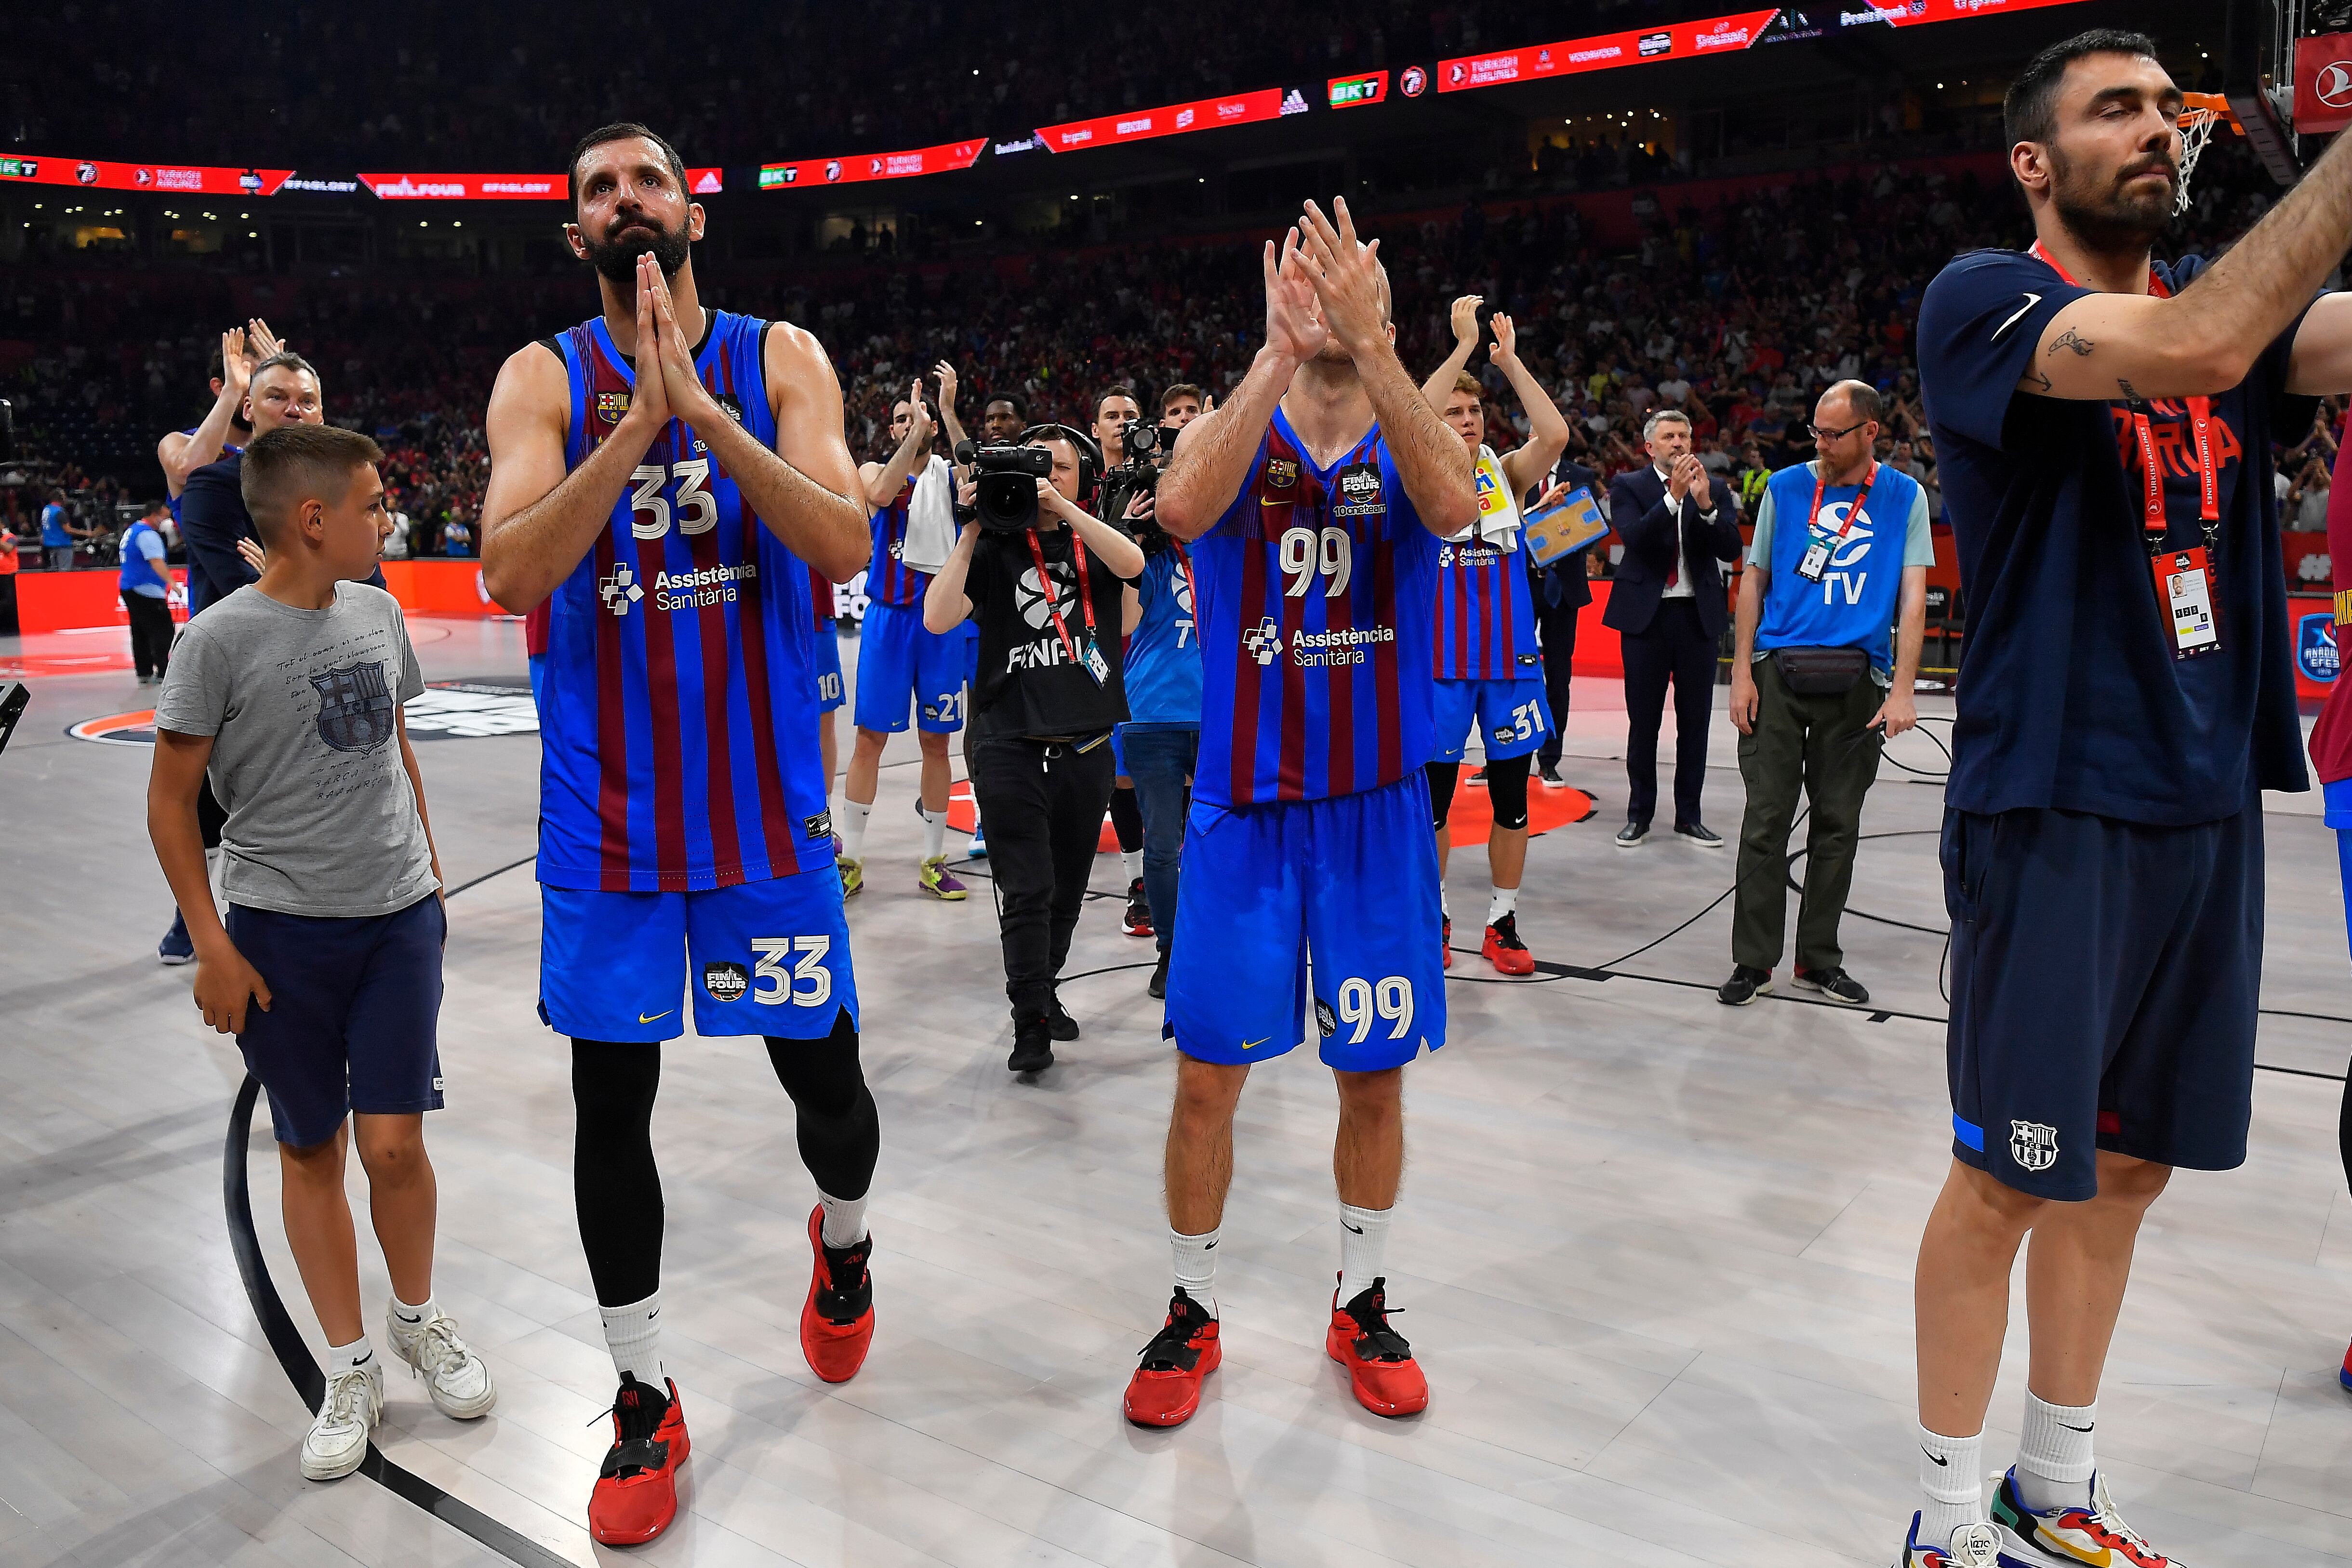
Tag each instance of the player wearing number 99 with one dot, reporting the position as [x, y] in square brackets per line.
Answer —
[665, 475]
[1315, 500]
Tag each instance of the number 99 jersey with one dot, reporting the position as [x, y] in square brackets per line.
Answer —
[1318, 590]
[678, 729]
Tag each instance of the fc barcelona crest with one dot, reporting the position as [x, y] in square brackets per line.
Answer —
[1281, 473]
[2034, 1145]
[356, 713]
[611, 405]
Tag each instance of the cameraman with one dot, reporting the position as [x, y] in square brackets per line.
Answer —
[1043, 589]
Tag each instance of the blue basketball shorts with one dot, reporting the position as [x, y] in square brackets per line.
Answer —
[2336, 800]
[354, 1011]
[1347, 884]
[1512, 717]
[2105, 978]
[902, 667]
[971, 655]
[759, 958]
[830, 694]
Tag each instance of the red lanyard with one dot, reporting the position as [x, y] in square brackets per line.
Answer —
[1820, 480]
[1053, 595]
[2200, 425]
[1191, 588]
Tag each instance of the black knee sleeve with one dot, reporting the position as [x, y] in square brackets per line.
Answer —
[1507, 791]
[839, 1131]
[616, 1185]
[1442, 777]
[1126, 818]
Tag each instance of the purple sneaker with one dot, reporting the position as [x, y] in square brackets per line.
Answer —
[936, 879]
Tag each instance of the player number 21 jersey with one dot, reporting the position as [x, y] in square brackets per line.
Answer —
[678, 729]
[1316, 594]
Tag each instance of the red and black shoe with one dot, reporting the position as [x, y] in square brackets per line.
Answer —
[1387, 1380]
[1139, 909]
[1166, 1389]
[636, 1495]
[1505, 951]
[1446, 943]
[837, 1319]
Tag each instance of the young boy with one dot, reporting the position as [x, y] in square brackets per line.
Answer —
[329, 970]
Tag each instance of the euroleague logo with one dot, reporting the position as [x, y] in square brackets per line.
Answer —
[1029, 595]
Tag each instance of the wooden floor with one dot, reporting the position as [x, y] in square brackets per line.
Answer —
[1656, 1254]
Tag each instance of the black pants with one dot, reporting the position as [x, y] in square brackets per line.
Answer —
[1674, 646]
[1044, 804]
[1556, 629]
[151, 633]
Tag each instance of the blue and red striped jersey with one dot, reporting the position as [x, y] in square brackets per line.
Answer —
[888, 579]
[678, 729]
[1314, 592]
[1486, 616]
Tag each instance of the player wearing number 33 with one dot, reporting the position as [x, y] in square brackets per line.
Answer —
[1315, 499]
[665, 475]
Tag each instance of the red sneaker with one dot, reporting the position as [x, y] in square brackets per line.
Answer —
[636, 1495]
[1505, 951]
[1446, 943]
[837, 1319]
[1387, 1380]
[1166, 1389]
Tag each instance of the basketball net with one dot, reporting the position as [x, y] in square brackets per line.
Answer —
[2200, 114]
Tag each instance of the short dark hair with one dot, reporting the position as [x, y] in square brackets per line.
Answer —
[296, 463]
[1116, 389]
[2030, 110]
[619, 130]
[284, 359]
[1020, 409]
[1181, 389]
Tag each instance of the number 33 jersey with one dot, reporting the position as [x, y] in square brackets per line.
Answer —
[678, 720]
[1316, 590]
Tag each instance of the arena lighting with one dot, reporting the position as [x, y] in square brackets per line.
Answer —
[855, 168]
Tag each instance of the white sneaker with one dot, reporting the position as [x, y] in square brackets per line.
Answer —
[454, 1376]
[338, 1438]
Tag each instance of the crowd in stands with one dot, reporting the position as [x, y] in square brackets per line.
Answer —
[442, 84]
[1736, 313]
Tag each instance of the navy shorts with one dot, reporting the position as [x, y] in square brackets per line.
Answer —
[1351, 880]
[904, 668]
[2104, 980]
[354, 1006]
[760, 958]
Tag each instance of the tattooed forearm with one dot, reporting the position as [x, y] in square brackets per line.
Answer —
[2070, 338]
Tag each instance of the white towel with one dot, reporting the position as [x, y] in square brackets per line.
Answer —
[930, 517]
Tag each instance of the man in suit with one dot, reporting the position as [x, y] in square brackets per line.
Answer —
[1668, 610]
[1560, 591]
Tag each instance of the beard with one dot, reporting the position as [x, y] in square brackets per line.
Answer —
[2104, 214]
[615, 256]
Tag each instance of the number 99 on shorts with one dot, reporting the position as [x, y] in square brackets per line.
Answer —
[1367, 1006]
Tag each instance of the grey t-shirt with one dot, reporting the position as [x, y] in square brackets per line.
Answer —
[306, 754]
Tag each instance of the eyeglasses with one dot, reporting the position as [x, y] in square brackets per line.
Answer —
[1820, 435]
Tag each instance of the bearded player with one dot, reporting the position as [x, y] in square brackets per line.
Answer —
[667, 476]
[1317, 496]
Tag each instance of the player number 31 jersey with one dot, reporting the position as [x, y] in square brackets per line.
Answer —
[1316, 590]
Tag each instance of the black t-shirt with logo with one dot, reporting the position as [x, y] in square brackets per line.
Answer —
[1029, 685]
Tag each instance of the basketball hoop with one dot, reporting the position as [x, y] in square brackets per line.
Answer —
[2200, 114]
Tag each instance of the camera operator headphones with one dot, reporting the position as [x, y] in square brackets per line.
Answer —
[1090, 458]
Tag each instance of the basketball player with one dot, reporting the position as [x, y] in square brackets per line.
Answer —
[2103, 432]
[1316, 496]
[670, 474]
[1489, 670]
[901, 667]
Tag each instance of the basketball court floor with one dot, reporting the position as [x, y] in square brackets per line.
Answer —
[1656, 1254]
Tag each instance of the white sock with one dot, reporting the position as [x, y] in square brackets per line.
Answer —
[2053, 1455]
[1444, 904]
[1505, 901]
[844, 1220]
[635, 1339]
[343, 1358]
[425, 1313]
[1131, 860]
[935, 833]
[1363, 1242]
[1196, 1266]
[849, 821]
[1951, 1485]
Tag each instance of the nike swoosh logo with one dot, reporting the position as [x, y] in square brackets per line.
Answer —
[2072, 1429]
[1355, 1229]
[1938, 1458]
[655, 1017]
[2030, 300]
[1211, 1248]
[1252, 1045]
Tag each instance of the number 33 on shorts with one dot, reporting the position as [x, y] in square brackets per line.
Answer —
[808, 983]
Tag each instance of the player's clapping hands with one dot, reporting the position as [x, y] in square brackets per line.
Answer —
[1346, 275]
